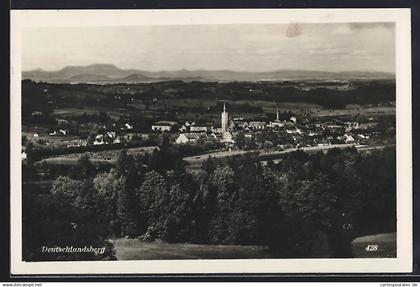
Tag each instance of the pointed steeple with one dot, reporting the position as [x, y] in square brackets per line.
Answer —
[225, 119]
[278, 117]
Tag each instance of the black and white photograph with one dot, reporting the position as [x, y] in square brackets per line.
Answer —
[215, 141]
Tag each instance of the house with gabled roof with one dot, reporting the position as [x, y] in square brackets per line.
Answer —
[189, 137]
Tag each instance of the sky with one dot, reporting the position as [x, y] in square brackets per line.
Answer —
[257, 47]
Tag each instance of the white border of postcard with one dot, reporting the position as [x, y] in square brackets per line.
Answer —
[66, 18]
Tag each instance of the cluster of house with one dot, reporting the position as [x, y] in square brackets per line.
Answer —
[226, 138]
[117, 134]
[112, 137]
[62, 128]
[318, 134]
[107, 138]
[297, 133]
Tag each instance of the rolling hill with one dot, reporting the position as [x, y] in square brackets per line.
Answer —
[106, 73]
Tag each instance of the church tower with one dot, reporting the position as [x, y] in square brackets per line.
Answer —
[225, 119]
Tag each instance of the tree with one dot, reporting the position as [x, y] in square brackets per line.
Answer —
[222, 185]
[110, 187]
[85, 167]
[66, 189]
[308, 207]
[124, 162]
[177, 216]
[74, 223]
[152, 197]
[91, 138]
[209, 165]
[378, 211]
[267, 144]
[166, 159]
[211, 143]
[134, 169]
[163, 141]
[240, 140]
[242, 226]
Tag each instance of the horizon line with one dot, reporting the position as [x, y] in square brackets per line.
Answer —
[207, 70]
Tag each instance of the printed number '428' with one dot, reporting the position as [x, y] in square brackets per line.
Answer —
[372, 247]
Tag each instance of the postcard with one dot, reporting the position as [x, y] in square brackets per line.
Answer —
[211, 141]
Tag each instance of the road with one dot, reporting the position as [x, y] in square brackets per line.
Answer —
[196, 161]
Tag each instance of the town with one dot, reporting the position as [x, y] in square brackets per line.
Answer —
[152, 154]
[285, 131]
[123, 143]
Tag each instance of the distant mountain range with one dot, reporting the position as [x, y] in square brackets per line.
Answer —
[106, 73]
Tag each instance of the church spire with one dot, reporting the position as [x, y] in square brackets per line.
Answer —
[225, 119]
[278, 117]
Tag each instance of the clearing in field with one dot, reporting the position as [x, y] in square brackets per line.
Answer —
[135, 249]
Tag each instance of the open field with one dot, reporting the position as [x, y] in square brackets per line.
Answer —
[186, 103]
[63, 160]
[367, 111]
[135, 249]
[373, 246]
[268, 107]
[271, 107]
[111, 154]
[96, 157]
[110, 111]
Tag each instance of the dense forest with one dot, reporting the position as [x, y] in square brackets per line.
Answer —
[306, 205]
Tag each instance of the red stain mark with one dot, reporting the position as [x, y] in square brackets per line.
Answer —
[294, 30]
